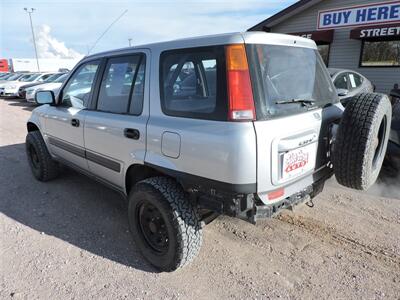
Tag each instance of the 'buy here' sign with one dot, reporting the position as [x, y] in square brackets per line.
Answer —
[378, 13]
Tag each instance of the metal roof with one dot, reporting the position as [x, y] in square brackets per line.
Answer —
[292, 10]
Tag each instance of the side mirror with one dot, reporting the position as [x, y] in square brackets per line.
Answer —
[44, 97]
[342, 92]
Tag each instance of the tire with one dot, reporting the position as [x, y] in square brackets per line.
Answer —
[173, 237]
[361, 140]
[43, 167]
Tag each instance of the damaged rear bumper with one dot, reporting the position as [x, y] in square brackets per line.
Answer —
[251, 209]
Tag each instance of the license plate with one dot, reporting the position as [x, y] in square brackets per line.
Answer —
[299, 161]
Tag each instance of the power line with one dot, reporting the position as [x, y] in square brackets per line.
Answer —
[105, 31]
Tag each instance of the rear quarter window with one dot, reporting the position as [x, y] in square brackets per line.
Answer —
[193, 83]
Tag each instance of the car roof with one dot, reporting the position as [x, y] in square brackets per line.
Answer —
[334, 71]
[256, 37]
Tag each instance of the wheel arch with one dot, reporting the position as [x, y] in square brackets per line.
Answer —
[30, 126]
[138, 172]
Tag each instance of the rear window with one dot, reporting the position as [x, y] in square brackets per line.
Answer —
[283, 74]
[192, 83]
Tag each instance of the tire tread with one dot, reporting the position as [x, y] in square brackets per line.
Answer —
[186, 218]
[49, 167]
[354, 138]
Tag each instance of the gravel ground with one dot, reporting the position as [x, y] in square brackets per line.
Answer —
[69, 239]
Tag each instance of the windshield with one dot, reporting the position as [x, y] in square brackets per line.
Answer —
[52, 77]
[288, 80]
[14, 77]
[31, 78]
[61, 79]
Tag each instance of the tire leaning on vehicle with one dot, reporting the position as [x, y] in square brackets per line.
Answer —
[361, 140]
[43, 167]
[164, 224]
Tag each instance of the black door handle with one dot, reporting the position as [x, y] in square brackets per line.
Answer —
[131, 133]
[75, 122]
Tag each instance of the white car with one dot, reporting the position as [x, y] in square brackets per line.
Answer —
[349, 83]
[51, 86]
[11, 80]
[10, 88]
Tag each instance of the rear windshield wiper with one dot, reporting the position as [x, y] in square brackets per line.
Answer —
[305, 102]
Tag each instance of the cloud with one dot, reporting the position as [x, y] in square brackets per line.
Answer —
[50, 47]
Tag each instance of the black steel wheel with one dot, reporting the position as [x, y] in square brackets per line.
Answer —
[164, 224]
[34, 158]
[153, 227]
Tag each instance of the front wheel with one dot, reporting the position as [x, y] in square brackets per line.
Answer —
[43, 167]
[164, 224]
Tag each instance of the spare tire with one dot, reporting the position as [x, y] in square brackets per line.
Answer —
[361, 140]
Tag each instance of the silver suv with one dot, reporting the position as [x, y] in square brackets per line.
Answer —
[240, 124]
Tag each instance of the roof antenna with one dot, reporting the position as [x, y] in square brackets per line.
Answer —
[105, 31]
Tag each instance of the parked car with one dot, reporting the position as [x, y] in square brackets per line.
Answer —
[349, 83]
[47, 78]
[2, 75]
[264, 134]
[10, 89]
[13, 81]
[11, 77]
[48, 86]
[392, 162]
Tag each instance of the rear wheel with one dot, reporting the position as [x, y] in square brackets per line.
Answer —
[361, 140]
[164, 224]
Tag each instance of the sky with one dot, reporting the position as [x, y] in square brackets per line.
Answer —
[68, 29]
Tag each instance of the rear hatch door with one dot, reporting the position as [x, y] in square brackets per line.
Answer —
[293, 92]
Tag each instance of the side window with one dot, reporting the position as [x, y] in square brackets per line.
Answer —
[121, 82]
[355, 80]
[189, 81]
[341, 81]
[77, 91]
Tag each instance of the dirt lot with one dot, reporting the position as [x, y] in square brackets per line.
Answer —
[69, 239]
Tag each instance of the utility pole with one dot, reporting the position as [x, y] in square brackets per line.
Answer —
[130, 42]
[30, 11]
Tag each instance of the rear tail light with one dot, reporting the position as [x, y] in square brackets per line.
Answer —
[240, 93]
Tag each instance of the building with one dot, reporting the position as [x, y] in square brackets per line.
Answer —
[362, 35]
[3, 65]
[45, 64]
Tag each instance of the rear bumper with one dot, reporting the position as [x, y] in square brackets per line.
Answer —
[269, 210]
[250, 207]
[242, 201]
